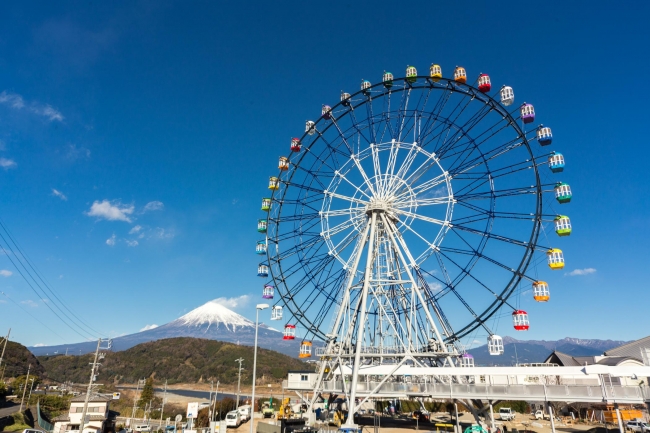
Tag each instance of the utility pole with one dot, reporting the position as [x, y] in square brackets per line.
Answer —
[135, 401]
[240, 360]
[214, 405]
[162, 409]
[3, 353]
[25, 387]
[93, 372]
[30, 391]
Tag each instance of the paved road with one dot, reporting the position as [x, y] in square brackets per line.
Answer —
[9, 409]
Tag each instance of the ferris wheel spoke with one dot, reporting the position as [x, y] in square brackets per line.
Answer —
[340, 212]
[406, 96]
[429, 184]
[496, 237]
[420, 217]
[346, 198]
[496, 193]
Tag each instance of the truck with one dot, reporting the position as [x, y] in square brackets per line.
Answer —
[506, 414]
[267, 410]
[539, 414]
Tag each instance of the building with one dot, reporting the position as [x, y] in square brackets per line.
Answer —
[98, 415]
[635, 353]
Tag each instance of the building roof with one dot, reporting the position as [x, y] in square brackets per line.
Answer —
[562, 359]
[632, 349]
[617, 360]
[95, 398]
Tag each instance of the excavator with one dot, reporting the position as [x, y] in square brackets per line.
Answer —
[285, 411]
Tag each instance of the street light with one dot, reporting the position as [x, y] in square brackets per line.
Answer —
[257, 319]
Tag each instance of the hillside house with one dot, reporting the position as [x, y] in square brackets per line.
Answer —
[98, 415]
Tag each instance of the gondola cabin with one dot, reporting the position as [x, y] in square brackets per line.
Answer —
[411, 74]
[345, 99]
[541, 292]
[310, 127]
[261, 226]
[556, 162]
[267, 292]
[544, 135]
[326, 112]
[466, 360]
[262, 271]
[520, 320]
[283, 163]
[305, 350]
[495, 345]
[260, 248]
[387, 80]
[460, 75]
[555, 259]
[289, 332]
[435, 71]
[266, 204]
[276, 313]
[562, 225]
[274, 183]
[365, 87]
[527, 113]
[563, 193]
[296, 145]
[484, 84]
[507, 95]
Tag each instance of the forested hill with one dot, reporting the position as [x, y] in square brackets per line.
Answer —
[17, 359]
[178, 360]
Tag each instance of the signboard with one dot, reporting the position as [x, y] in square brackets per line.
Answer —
[222, 427]
[178, 418]
[116, 396]
[192, 409]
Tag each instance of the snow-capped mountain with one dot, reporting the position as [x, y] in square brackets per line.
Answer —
[211, 320]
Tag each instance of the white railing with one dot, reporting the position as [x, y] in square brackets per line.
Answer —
[584, 393]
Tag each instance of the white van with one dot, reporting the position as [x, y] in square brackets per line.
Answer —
[244, 412]
[142, 428]
[233, 419]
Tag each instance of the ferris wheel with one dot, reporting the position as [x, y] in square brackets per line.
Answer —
[409, 215]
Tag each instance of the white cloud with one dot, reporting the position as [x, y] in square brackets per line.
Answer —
[148, 327]
[580, 272]
[7, 163]
[135, 230]
[235, 302]
[16, 101]
[112, 211]
[6, 273]
[111, 241]
[39, 345]
[57, 193]
[131, 243]
[153, 205]
[161, 233]
[29, 303]
[74, 153]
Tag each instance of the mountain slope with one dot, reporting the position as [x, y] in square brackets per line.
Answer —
[526, 351]
[186, 360]
[211, 321]
[17, 359]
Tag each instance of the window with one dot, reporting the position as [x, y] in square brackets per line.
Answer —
[304, 377]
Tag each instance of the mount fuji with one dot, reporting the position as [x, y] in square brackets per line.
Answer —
[211, 320]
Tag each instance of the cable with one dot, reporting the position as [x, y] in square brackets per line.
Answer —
[47, 304]
[38, 274]
[30, 314]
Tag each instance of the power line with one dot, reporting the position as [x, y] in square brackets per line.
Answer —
[32, 316]
[40, 277]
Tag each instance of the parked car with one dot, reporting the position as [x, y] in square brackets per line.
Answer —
[245, 412]
[31, 430]
[142, 428]
[506, 414]
[233, 419]
[638, 426]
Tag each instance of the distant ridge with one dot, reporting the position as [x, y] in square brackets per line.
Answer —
[527, 351]
[211, 321]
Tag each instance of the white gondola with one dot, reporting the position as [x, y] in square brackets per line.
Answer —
[495, 345]
[276, 313]
[310, 127]
[466, 360]
[507, 95]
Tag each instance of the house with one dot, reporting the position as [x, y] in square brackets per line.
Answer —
[98, 415]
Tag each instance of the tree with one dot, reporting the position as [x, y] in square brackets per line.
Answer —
[147, 393]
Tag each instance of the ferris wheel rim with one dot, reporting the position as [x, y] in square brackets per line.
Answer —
[450, 85]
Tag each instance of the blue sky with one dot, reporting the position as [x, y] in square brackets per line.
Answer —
[137, 139]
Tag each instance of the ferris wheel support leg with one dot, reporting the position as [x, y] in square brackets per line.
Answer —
[391, 233]
[349, 422]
